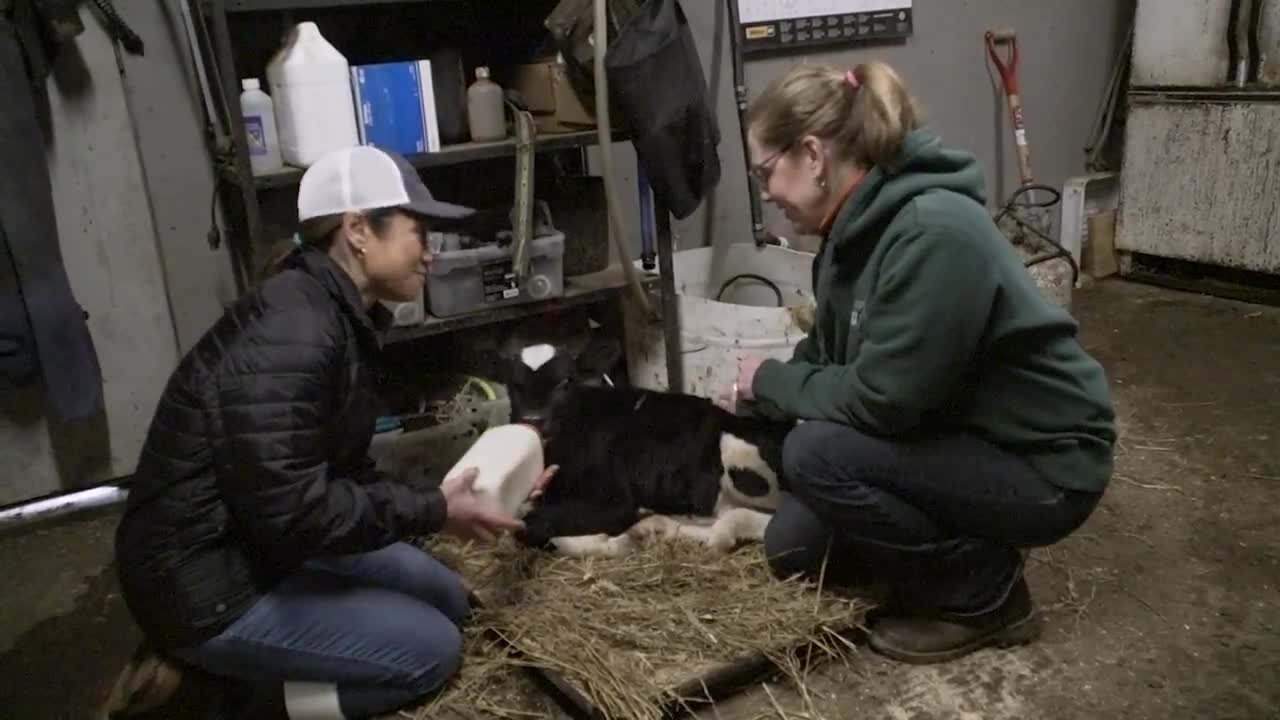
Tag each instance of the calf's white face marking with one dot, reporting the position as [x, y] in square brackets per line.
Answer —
[738, 454]
[535, 356]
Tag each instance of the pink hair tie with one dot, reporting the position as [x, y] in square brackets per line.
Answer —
[852, 78]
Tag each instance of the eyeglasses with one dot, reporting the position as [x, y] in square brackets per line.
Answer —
[764, 169]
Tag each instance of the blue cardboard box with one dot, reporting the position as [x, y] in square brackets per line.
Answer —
[395, 106]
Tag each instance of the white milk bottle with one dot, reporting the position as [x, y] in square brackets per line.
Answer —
[310, 82]
[509, 458]
[260, 127]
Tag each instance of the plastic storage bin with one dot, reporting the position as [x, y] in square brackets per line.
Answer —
[464, 281]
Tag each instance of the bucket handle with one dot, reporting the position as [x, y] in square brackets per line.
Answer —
[751, 276]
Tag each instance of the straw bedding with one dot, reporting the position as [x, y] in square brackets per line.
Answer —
[627, 632]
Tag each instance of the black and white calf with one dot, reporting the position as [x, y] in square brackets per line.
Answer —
[632, 461]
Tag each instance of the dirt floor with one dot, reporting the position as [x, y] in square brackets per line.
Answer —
[1164, 605]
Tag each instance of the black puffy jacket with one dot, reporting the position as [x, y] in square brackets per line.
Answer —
[256, 459]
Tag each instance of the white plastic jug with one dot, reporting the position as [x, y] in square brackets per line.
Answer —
[311, 85]
[509, 458]
[260, 127]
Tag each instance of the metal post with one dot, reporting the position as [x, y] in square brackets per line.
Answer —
[670, 302]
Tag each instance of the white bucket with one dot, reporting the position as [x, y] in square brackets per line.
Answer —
[716, 334]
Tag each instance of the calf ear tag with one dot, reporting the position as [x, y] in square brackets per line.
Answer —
[535, 356]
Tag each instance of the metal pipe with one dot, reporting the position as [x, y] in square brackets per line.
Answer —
[758, 231]
[60, 505]
[647, 252]
[1255, 52]
[670, 302]
[1234, 76]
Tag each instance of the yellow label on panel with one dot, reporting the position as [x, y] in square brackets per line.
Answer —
[760, 32]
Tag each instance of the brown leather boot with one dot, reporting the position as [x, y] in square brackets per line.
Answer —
[148, 682]
[924, 641]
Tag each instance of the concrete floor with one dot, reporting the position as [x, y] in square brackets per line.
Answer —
[1164, 605]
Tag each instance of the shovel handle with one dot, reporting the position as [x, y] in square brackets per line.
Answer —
[1008, 68]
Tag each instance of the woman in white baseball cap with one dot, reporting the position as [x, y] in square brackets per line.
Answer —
[260, 548]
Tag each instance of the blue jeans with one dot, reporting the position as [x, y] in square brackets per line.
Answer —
[940, 518]
[383, 626]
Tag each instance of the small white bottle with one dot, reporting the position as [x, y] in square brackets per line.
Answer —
[486, 109]
[260, 127]
[509, 458]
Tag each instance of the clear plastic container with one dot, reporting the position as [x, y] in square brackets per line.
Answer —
[486, 109]
[311, 85]
[509, 458]
[259, 115]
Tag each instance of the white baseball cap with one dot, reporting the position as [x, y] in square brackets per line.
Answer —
[364, 177]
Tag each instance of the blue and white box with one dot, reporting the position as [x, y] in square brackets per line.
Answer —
[396, 106]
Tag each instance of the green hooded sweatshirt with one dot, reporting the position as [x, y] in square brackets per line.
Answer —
[927, 320]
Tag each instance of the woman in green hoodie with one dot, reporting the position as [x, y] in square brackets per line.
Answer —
[951, 417]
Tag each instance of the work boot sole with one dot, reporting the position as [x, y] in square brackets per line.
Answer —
[1019, 632]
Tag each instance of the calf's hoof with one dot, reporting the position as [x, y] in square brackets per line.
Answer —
[654, 526]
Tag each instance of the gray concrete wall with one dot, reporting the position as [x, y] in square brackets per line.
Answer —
[1185, 42]
[1067, 50]
[108, 244]
[131, 192]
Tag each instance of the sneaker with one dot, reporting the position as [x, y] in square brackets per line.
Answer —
[924, 641]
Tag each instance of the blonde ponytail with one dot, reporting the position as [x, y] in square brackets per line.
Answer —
[865, 113]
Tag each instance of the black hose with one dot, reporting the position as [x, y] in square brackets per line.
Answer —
[1233, 48]
[118, 28]
[1255, 53]
[751, 276]
[1058, 250]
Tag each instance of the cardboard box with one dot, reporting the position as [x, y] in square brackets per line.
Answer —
[395, 106]
[544, 86]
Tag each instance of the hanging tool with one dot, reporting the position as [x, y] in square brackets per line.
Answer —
[1025, 207]
[522, 212]
[1008, 70]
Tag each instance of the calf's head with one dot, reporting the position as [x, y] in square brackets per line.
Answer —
[540, 377]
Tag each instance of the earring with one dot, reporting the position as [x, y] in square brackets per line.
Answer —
[822, 182]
